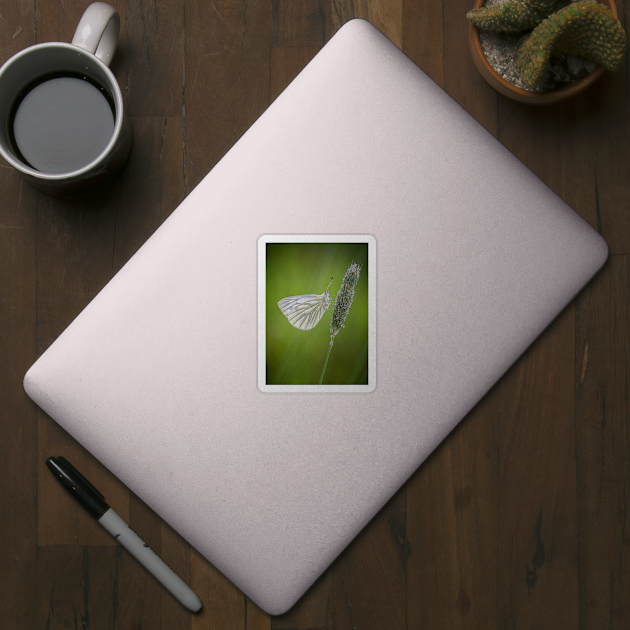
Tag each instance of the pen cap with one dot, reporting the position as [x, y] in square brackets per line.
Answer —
[78, 486]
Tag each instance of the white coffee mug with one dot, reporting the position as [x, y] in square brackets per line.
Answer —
[62, 114]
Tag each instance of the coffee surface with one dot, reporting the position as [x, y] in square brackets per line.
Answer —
[62, 124]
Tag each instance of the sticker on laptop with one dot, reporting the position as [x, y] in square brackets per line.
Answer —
[316, 313]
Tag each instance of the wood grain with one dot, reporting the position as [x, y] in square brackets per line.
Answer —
[300, 23]
[76, 587]
[608, 138]
[18, 324]
[537, 537]
[518, 520]
[452, 527]
[422, 36]
[602, 380]
[18, 416]
[154, 57]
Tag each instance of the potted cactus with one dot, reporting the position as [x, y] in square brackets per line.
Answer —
[554, 49]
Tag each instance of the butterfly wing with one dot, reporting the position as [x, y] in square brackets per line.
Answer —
[304, 311]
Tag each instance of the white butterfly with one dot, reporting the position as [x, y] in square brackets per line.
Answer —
[305, 311]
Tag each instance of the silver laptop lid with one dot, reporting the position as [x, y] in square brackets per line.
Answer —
[167, 376]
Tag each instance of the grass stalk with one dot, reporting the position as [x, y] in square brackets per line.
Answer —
[321, 378]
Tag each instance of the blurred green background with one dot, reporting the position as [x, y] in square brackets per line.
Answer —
[296, 357]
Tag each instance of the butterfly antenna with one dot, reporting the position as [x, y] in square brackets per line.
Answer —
[331, 280]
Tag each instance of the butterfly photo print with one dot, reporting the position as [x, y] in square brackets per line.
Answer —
[315, 298]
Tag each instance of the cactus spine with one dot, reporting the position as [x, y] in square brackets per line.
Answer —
[583, 29]
[513, 16]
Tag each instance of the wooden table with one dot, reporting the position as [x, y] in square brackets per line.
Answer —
[518, 520]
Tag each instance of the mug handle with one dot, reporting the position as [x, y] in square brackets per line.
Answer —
[98, 30]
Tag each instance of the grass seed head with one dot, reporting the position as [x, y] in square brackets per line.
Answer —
[344, 298]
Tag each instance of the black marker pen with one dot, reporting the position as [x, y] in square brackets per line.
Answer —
[94, 502]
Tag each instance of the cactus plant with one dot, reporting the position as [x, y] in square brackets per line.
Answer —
[513, 16]
[583, 29]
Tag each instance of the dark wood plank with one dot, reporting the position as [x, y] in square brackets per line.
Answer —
[303, 23]
[76, 587]
[154, 57]
[452, 527]
[608, 139]
[226, 78]
[608, 126]
[18, 416]
[17, 27]
[537, 538]
[422, 36]
[369, 587]
[603, 444]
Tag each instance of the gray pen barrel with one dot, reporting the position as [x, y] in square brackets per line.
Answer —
[149, 559]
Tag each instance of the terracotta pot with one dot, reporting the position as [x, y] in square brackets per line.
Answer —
[508, 89]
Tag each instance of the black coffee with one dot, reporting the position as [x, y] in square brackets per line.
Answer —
[62, 123]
